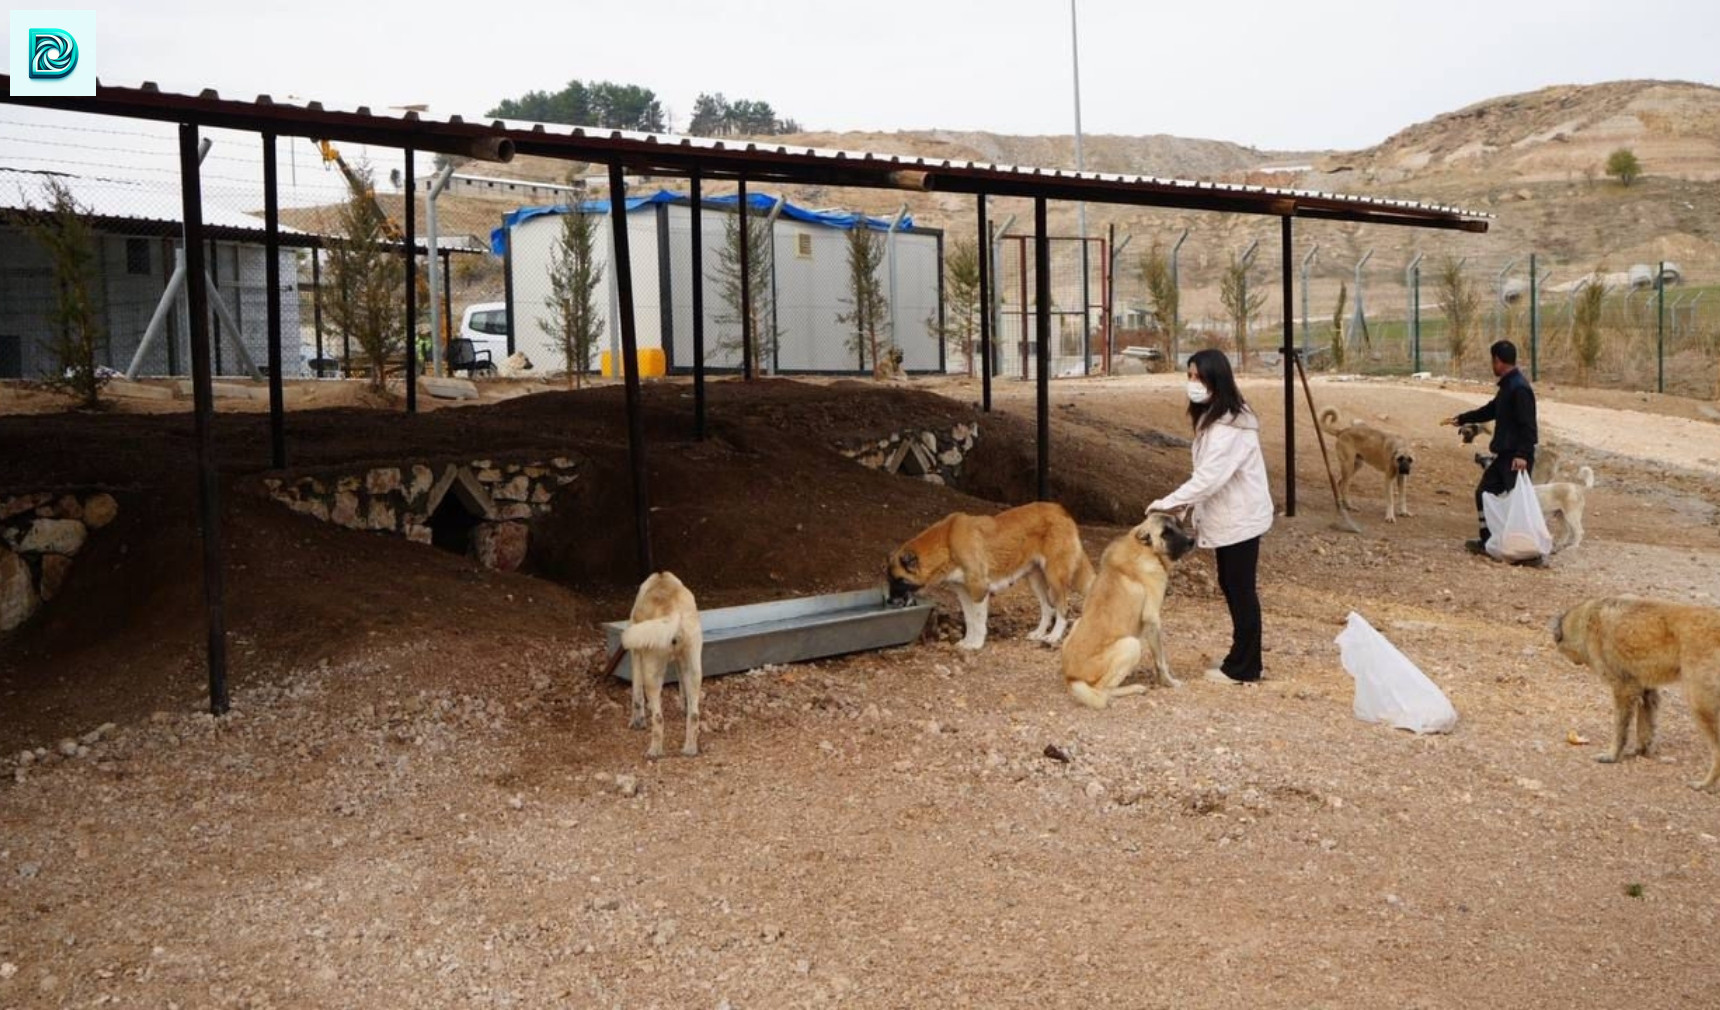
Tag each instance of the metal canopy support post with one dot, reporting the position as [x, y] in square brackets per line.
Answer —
[1534, 322]
[1412, 309]
[438, 315]
[984, 307]
[630, 369]
[1660, 327]
[447, 301]
[508, 281]
[272, 279]
[203, 418]
[1307, 259]
[316, 303]
[1042, 307]
[1176, 298]
[411, 245]
[747, 335]
[695, 182]
[1289, 370]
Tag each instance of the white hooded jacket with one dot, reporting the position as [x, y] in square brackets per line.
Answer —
[1232, 501]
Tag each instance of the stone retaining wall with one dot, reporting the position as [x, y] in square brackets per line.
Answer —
[401, 500]
[932, 456]
[40, 534]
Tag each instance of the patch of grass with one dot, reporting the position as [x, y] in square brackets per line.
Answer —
[1633, 890]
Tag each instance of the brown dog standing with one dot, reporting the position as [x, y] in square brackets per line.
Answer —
[1639, 646]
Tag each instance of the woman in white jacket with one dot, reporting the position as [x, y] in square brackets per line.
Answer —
[1232, 502]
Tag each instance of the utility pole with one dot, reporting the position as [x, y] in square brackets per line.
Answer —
[1080, 208]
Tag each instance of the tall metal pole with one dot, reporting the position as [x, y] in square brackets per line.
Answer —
[1042, 295]
[630, 368]
[447, 296]
[411, 289]
[437, 317]
[698, 240]
[272, 280]
[203, 418]
[508, 280]
[1176, 302]
[1415, 310]
[996, 307]
[1534, 321]
[985, 307]
[1289, 356]
[1411, 322]
[1307, 259]
[316, 302]
[1081, 208]
[1660, 327]
[746, 284]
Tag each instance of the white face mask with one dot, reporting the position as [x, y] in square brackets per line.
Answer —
[1198, 393]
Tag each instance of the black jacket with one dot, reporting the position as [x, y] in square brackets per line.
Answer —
[1513, 415]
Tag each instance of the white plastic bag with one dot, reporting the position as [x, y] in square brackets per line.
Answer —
[1389, 688]
[1518, 531]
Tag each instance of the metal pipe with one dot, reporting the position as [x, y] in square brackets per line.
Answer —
[1534, 322]
[410, 246]
[1021, 258]
[1289, 355]
[1241, 337]
[1410, 322]
[1307, 259]
[272, 280]
[985, 306]
[1660, 327]
[770, 246]
[746, 282]
[1042, 293]
[203, 419]
[630, 370]
[1081, 205]
[996, 306]
[316, 303]
[508, 281]
[1176, 299]
[1359, 316]
[220, 306]
[698, 242]
[447, 295]
[1105, 293]
[439, 183]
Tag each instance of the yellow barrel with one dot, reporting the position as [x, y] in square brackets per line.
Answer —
[652, 363]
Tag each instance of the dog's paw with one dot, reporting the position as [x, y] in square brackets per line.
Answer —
[691, 750]
[1607, 759]
[637, 722]
[653, 753]
[970, 646]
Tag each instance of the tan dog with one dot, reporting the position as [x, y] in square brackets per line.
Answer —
[982, 555]
[1120, 619]
[1547, 455]
[664, 626]
[1385, 452]
[1567, 500]
[1639, 646]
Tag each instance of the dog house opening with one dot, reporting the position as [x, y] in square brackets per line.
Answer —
[458, 506]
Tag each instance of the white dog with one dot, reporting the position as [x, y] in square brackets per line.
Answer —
[664, 626]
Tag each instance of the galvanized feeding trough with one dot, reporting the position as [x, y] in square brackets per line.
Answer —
[792, 631]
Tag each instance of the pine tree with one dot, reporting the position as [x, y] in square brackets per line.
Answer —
[869, 305]
[63, 231]
[368, 277]
[574, 323]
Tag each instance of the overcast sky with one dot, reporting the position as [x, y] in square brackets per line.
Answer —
[1277, 75]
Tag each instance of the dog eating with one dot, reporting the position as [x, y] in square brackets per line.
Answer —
[983, 555]
[1120, 619]
[664, 628]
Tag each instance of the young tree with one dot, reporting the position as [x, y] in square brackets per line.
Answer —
[63, 231]
[1162, 287]
[574, 322]
[1586, 325]
[727, 274]
[1338, 327]
[1462, 301]
[961, 297]
[1240, 303]
[869, 304]
[368, 278]
[1623, 166]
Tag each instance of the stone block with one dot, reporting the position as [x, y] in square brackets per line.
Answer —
[18, 598]
[418, 534]
[382, 480]
[500, 546]
[516, 510]
[562, 463]
[893, 462]
[950, 458]
[54, 536]
[68, 507]
[345, 511]
[422, 478]
[311, 507]
[929, 440]
[380, 516]
[489, 475]
[21, 504]
[540, 494]
[449, 389]
[55, 568]
[517, 489]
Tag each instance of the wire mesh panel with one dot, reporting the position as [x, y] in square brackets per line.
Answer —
[1077, 306]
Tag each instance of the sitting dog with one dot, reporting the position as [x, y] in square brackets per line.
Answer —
[514, 365]
[982, 555]
[1639, 646]
[1389, 454]
[1120, 618]
[664, 626]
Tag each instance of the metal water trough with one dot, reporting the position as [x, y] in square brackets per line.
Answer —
[792, 631]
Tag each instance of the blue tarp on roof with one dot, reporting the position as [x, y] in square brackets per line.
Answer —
[759, 202]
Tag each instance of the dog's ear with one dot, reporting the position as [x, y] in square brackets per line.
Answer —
[910, 561]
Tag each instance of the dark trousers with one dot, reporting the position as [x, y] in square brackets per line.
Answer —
[1498, 478]
[1238, 566]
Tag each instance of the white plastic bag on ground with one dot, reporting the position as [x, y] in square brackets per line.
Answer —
[1389, 688]
[1518, 531]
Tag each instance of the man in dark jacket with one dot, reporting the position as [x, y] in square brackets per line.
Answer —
[1514, 432]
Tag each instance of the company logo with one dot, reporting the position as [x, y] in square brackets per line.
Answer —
[53, 54]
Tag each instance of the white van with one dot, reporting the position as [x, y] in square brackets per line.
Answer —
[485, 324]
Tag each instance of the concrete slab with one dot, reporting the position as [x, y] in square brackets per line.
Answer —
[125, 389]
[448, 389]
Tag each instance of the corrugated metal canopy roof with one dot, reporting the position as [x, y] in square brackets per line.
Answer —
[665, 154]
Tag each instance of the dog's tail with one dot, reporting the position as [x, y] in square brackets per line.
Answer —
[657, 634]
[1329, 420]
[1587, 476]
[1084, 574]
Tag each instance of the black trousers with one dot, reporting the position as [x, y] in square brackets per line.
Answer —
[1238, 566]
[1498, 478]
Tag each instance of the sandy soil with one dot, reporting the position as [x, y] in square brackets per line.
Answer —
[411, 808]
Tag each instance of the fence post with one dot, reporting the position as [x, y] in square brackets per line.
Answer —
[1415, 299]
[1660, 327]
[1176, 299]
[1535, 322]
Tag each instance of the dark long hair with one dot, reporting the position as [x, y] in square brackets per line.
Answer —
[1214, 370]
